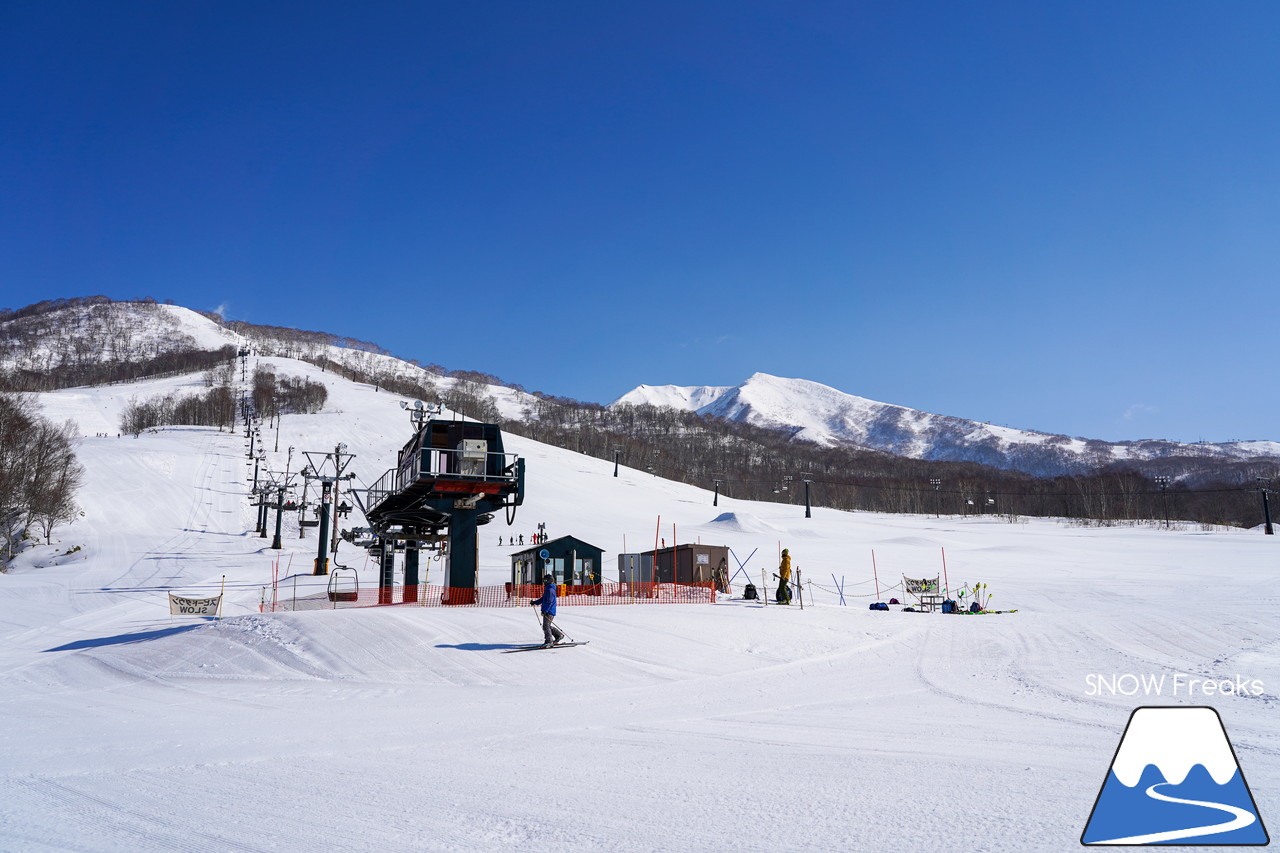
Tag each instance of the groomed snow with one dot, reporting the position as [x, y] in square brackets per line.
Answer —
[734, 726]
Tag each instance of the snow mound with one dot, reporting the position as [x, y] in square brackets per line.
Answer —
[920, 541]
[743, 522]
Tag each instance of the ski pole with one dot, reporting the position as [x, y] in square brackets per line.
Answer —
[538, 614]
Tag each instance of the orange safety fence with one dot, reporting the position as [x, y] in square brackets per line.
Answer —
[507, 595]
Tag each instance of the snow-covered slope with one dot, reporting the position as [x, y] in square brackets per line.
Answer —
[105, 332]
[821, 414]
[733, 726]
[95, 332]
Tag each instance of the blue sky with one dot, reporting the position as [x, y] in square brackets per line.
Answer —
[1056, 216]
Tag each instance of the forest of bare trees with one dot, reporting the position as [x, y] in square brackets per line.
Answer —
[39, 473]
[217, 407]
[275, 394]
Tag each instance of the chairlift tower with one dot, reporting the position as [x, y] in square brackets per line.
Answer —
[450, 478]
[328, 469]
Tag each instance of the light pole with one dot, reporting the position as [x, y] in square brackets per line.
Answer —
[616, 451]
[808, 507]
[937, 497]
[1263, 486]
[715, 501]
[1163, 481]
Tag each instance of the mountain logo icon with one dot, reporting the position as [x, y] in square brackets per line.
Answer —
[1175, 780]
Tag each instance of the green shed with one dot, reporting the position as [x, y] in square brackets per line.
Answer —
[568, 559]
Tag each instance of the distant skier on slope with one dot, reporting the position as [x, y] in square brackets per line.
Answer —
[550, 633]
[784, 575]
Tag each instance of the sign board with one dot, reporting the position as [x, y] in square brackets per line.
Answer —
[544, 554]
[179, 606]
[703, 559]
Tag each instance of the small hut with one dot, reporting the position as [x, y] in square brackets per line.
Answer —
[692, 563]
[568, 559]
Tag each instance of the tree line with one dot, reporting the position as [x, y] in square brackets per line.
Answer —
[216, 407]
[274, 394]
[39, 473]
[768, 465]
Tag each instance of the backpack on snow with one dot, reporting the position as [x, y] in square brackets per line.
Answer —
[749, 592]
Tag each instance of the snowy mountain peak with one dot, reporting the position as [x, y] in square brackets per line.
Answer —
[824, 415]
[672, 396]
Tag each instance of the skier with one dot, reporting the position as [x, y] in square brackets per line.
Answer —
[550, 633]
[784, 575]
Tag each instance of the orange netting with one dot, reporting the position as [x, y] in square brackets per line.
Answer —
[507, 595]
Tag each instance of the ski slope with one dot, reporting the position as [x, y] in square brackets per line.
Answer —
[735, 726]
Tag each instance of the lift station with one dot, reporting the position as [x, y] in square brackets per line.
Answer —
[450, 478]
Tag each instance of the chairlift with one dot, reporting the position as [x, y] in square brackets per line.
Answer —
[338, 590]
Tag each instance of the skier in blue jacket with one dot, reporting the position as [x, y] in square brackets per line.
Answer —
[550, 633]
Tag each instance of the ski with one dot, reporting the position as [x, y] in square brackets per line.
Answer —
[541, 646]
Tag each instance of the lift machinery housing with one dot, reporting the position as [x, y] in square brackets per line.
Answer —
[450, 478]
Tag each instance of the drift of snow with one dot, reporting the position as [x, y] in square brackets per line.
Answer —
[742, 522]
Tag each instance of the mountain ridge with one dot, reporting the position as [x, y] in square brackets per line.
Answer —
[811, 411]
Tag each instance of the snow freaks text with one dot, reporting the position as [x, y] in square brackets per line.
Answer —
[1175, 684]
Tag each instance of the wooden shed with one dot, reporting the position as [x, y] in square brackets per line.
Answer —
[692, 563]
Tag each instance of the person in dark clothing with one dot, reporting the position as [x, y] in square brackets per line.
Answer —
[550, 633]
[784, 578]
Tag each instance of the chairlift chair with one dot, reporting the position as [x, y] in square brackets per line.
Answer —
[336, 590]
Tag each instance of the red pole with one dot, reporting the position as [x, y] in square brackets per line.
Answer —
[875, 574]
[944, 573]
